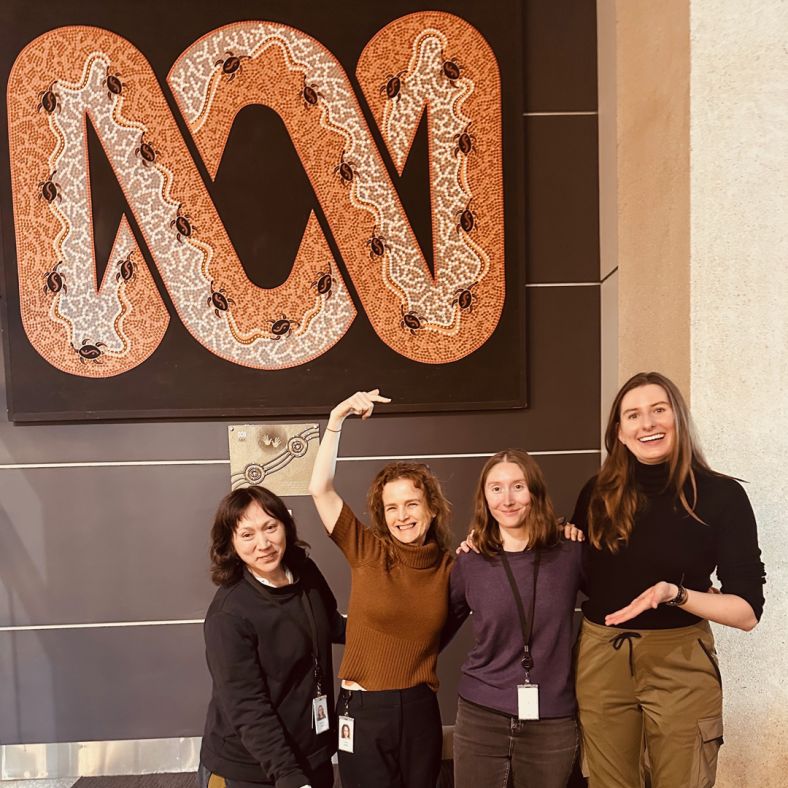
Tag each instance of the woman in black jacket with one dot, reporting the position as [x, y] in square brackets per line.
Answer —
[268, 635]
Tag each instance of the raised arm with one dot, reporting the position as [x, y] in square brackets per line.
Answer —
[321, 486]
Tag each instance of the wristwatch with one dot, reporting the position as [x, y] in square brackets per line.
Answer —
[680, 598]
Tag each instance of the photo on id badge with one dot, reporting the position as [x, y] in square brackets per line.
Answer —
[346, 734]
[320, 713]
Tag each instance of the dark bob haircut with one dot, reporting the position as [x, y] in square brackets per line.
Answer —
[226, 566]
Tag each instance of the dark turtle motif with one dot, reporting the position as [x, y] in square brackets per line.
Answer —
[219, 300]
[90, 352]
[231, 65]
[54, 281]
[393, 85]
[282, 327]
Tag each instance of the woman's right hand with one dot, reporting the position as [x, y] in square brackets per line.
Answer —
[362, 403]
[321, 486]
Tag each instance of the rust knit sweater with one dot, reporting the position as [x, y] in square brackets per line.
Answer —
[395, 615]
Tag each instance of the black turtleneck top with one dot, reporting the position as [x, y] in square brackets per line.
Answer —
[668, 544]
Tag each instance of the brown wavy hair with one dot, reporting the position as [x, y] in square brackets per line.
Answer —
[540, 521]
[226, 566]
[615, 498]
[426, 481]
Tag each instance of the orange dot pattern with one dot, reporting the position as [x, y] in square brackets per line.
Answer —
[411, 65]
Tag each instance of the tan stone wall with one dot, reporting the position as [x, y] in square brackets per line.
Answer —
[693, 217]
[739, 337]
[644, 179]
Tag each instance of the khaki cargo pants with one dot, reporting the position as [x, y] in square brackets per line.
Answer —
[658, 687]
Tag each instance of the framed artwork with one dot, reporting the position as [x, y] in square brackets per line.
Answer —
[215, 210]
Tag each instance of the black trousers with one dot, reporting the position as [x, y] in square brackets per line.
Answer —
[322, 777]
[397, 740]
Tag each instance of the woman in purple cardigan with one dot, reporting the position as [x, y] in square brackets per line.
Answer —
[516, 713]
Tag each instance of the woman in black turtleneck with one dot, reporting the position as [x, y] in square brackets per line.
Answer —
[659, 522]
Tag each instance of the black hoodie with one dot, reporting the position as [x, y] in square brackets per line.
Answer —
[258, 645]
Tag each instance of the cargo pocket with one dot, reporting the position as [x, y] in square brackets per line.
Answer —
[710, 741]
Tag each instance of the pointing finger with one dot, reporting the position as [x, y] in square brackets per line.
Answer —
[376, 396]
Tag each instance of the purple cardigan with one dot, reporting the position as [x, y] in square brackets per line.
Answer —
[492, 671]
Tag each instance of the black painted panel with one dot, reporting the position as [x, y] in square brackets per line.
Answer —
[563, 370]
[560, 56]
[562, 214]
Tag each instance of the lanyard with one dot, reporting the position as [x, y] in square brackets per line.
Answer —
[310, 616]
[526, 625]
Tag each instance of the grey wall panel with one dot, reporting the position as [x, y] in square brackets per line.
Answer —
[106, 544]
[82, 685]
[86, 545]
[149, 682]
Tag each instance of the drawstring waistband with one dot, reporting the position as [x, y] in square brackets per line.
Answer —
[619, 640]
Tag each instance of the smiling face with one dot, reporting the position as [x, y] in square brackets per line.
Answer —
[508, 497]
[260, 541]
[405, 508]
[647, 426]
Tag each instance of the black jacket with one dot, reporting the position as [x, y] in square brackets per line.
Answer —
[259, 649]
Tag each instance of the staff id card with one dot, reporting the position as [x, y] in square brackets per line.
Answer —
[320, 713]
[345, 733]
[527, 701]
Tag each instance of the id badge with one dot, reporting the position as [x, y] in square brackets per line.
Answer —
[346, 733]
[320, 713]
[527, 701]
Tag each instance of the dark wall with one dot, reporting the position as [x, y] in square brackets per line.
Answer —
[90, 541]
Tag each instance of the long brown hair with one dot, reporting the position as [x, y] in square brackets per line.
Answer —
[226, 566]
[540, 520]
[426, 481]
[615, 497]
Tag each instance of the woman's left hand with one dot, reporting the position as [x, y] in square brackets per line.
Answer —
[651, 598]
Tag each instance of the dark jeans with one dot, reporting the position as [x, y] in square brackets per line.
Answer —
[398, 739]
[490, 746]
[322, 777]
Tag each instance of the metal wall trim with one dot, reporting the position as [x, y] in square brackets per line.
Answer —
[98, 758]
[557, 114]
[102, 625]
[563, 284]
[33, 466]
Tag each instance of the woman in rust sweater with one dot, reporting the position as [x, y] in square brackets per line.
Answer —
[400, 568]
